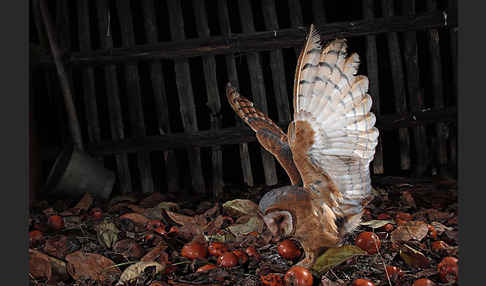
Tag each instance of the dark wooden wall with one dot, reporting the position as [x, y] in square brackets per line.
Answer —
[148, 80]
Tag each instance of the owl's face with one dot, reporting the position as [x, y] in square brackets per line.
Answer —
[292, 212]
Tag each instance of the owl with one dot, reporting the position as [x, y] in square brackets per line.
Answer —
[326, 151]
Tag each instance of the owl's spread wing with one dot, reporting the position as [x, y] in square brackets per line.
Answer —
[270, 136]
[332, 137]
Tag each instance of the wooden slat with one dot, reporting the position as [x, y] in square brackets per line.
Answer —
[296, 19]
[237, 135]
[89, 93]
[185, 94]
[437, 88]
[452, 5]
[318, 12]
[212, 91]
[399, 91]
[112, 92]
[257, 87]
[277, 66]
[135, 109]
[414, 91]
[374, 90]
[259, 41]
[224, 24]
[160, 96]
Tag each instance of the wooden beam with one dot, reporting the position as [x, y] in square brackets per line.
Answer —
[258, 41]
[214, 102]
[237, 135]
[160, 96]
[257, 88]
[374, 90]
[398, 80]
[224, 22]
[87, 74]
[415, 96]
[135, 112]
[186, 95]
[112, 93]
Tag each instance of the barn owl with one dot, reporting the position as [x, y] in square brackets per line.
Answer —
[326, 151]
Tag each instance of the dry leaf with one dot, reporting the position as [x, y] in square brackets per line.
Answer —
[129, 248]
[413, 258]
[408, 199]
[157, 254]
[134, 270]
[91, 265]
[440, 228]
[181, 219]
[107, 233]
[254, 223]
[58, 267]
[335, 256]
[57, 246]
[152, 200]
[85, 202]
[39, 266]
[376, 223]
[410, 230]
[240, 207]
[136, 218]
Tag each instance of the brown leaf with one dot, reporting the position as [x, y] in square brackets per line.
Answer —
[39, 266]
[416, 230]
[408, 199]
[181, 219]
[134, 270]
[58, 267]
[136, 218]
[157, 254]
[107, 233]
[413, 258]
[240, 207]
[129, 248]
[85, 202]
[335, 256]
[152, 200]
[376, 223]
[57, 246]
[435, 215]
[254, 224]
[91, 265]
[440, 228]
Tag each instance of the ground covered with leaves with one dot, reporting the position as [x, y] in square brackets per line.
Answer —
[409, 232]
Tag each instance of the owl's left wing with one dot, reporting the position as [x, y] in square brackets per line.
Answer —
[270, 136]
[333, 137]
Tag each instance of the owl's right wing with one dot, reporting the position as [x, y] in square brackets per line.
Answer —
[270, 136]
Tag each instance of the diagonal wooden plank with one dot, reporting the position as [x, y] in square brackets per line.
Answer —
[398, 80]
[224, 23]
[114, 109]
[185, 94]
[160, 96]
[257, 87]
